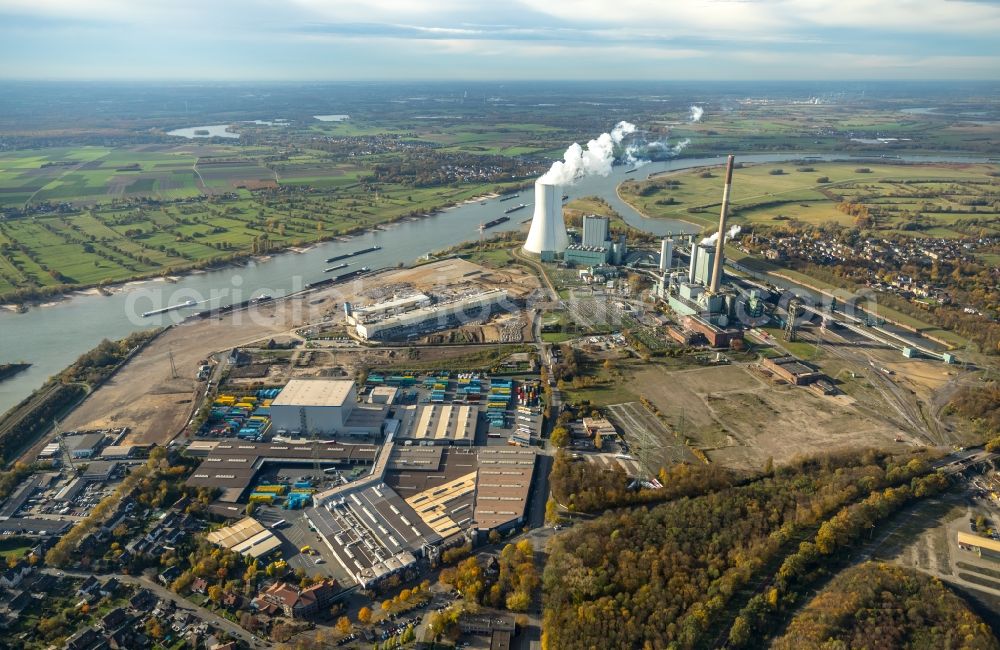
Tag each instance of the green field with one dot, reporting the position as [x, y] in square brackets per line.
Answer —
[107, 243]
[92, 175]
[85, 221]
[787, 126]
[15, 547]
[936, 197]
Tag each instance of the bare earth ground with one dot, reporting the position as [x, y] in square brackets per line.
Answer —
[740, 419]
[155, 405]
[146, 398]
[924, 537]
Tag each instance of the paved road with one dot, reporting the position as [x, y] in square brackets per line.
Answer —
[179, 601]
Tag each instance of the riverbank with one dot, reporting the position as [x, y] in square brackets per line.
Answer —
[8, 370]
[618, 193]
[237, 260]
[52, 338]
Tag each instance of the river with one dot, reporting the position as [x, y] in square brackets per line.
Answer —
[51, 337]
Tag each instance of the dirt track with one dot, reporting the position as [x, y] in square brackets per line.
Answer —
[144, 395]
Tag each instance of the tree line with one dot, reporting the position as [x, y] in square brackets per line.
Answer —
[665, 576]
[880, 605]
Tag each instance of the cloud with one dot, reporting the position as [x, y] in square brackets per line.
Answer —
[735, 18]
[694, 39]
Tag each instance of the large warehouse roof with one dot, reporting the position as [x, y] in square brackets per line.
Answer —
[438, 423]
[314, 392]
[371, 531]
[232, 465]
[247, 537]
[504, 484]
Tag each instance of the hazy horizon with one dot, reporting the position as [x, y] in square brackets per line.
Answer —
[448, 40]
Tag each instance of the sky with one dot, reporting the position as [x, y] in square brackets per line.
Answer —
[293, 40]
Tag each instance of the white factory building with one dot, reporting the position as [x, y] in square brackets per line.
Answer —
[324, 406]
[398, 304]
[476, 307]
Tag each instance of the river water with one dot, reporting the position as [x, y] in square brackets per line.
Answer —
[51, 337]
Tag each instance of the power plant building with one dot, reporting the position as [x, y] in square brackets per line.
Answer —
[705, 265]
[547, 235]
[595, 231]
[666, 255]
[585, 255]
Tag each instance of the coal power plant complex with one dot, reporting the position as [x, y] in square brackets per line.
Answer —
[705, 305]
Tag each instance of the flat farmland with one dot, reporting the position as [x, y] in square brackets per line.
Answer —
[228, 175]
[91, 175]
[102, 242]
[512, 140]
[809, 192]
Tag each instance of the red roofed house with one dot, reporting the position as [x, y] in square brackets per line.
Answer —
[296, 603]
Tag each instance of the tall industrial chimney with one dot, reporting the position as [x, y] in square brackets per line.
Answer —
[547, 233]
[720, 241]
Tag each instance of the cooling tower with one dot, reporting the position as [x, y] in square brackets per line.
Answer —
[548, 230]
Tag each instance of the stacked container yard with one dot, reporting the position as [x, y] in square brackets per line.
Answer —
[267, 494]
[438, 386]
[498, 402]
[527, 394]
[247, 417]
[298, 499]
[404, 380]
[470, 386]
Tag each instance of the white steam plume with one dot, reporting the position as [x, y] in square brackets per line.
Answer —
[597, 158]
[711, 239]
[696, 113]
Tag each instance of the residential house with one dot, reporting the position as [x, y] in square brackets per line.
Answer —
[109, 587]
[114, 619]
[89, 587]
[142, 600]
[86, 639]
[169, 575]
[12, 577]
[296, 603]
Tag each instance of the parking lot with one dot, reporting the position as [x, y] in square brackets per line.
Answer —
[294, 535]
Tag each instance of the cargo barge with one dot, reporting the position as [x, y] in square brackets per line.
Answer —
[495, 222]
[154, 312]
[338, 278]
[509, 197]
[219, 311]
[519, 206]
[336, 267]
[337, 258]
